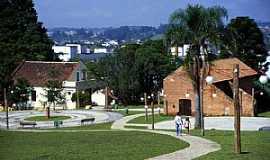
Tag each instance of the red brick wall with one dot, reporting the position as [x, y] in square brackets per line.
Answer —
[176, 87]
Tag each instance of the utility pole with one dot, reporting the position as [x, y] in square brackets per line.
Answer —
[6, 106]
[153, 116]
[237, 138]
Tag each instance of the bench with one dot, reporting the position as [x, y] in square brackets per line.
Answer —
[24, 123]
[85, 120]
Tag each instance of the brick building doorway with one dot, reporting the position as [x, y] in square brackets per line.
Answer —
[185, 107]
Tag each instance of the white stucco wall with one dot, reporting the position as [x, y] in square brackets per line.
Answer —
[98, 97]
[41, 99]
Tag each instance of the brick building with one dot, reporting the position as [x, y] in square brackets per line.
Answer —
[218, 97]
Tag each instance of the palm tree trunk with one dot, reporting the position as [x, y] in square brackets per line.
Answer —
[197, 111]
[197, 85]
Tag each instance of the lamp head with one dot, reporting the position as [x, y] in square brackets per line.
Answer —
[263, 79]
[209, 79]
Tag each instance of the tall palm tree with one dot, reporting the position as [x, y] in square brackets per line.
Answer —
[197, 26]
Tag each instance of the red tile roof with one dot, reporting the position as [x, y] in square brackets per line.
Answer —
[221, 70]
[37, 73]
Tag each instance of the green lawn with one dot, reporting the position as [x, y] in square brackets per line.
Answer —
[131, 106]
[264, 114]
[136, 127]
[113, 145]
[157, 118]
[123, 112]
[101, 126]
[44, 118]
[255, 145]
[136, 106]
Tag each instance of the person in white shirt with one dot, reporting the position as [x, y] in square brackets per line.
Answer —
[178, 124]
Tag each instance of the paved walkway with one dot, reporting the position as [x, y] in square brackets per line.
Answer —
[76, 115]
[198, 146]
[222, 123]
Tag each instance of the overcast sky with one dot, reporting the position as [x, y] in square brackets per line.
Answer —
[105, 13]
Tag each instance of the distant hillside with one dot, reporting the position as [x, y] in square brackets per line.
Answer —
[120, 34]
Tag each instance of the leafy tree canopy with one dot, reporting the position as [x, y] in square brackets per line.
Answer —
[244, 40]
[134, 69]
[22, 37]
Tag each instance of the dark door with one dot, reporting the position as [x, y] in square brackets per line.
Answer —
[185, 107]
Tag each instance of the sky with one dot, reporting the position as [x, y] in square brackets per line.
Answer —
[107, 13]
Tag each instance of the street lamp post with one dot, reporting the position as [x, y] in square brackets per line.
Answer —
[6, 106]
[152, 108]
[146, 107]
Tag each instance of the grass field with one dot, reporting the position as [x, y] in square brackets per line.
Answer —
[134, 106]
[123, 112]
[44, 118]
[101, 126]
[264, 114]
[157, 118]
[113, 145]
[255, 145]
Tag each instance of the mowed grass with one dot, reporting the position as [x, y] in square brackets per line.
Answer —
[130, 106]
[264, 114]
[44, 118]
[124, 113]
[157, 118]
[113, 145]
[101, 126]
[255, 145]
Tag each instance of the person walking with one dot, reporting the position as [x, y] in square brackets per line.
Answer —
[187, 124]
[178, 124]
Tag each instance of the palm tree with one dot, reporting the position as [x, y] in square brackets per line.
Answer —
[197, 26]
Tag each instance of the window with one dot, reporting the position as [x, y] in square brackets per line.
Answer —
[78, 76]
[33, 95]
[84, 75]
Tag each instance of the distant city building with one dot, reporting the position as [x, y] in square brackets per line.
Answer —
[65, 52]
[100, 50]
[82, 52]
[182, 50]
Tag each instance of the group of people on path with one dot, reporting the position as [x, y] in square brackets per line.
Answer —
[180, 124]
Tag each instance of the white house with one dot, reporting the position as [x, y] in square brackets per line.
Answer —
[98, 97]
[72, 75]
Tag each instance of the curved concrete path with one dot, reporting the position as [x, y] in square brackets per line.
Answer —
[197, 146]
[223, 123]
[76, 115]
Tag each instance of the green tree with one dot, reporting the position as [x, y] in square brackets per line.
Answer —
[244, 40]
[84, 98]
[54, 89]
[197, 26]
[22, 37]
[20, 93]
[133, 70]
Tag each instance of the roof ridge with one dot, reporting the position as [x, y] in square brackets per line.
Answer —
[49, 62]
